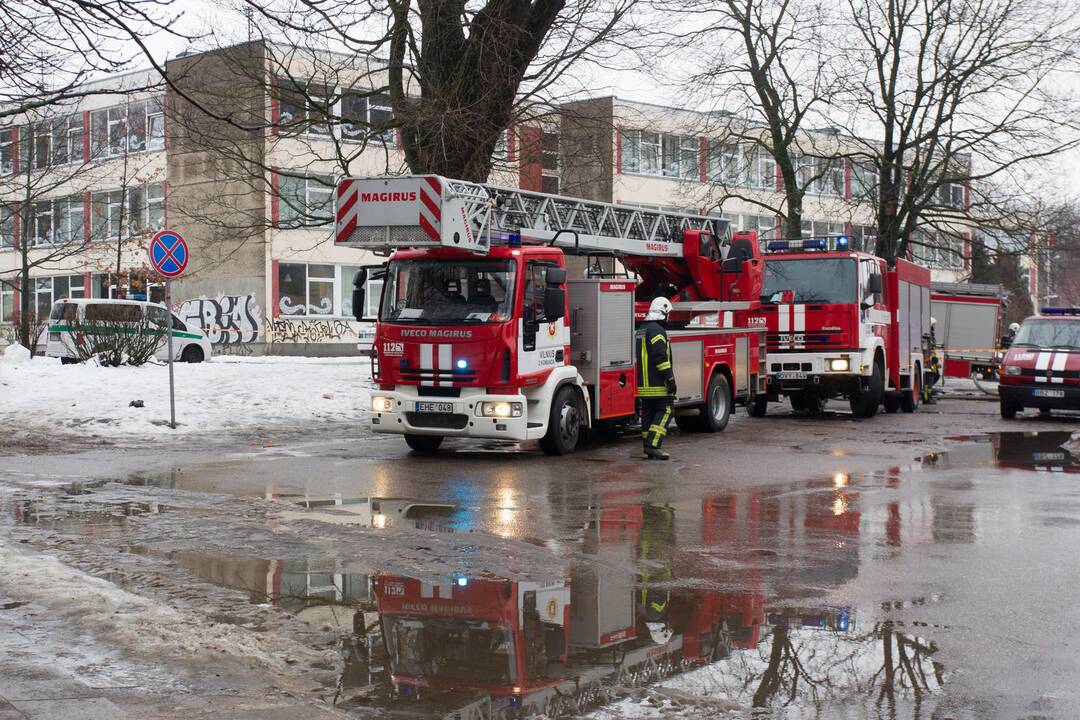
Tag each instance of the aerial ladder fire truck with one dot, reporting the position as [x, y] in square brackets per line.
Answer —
[842, 323]
[482, 333]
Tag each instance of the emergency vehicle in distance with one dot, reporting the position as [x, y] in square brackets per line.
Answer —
[481, 334]
[1042, 367]
[841, 323]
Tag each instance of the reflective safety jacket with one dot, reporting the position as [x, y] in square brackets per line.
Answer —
[654, 360]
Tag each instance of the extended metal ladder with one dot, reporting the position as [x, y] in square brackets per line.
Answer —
[387, 213]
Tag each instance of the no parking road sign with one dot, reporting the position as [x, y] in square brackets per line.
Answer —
[168, 253]
[169, 256]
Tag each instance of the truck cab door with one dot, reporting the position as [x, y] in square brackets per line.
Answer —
[541, 340]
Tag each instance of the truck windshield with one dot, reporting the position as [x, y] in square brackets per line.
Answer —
[449, 292]
[1049, 334]
[469, 651]
[825, 280]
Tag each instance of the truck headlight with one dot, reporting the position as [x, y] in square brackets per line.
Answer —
[381, 404]
[501, 409]
[838, 364]
[1012, 369]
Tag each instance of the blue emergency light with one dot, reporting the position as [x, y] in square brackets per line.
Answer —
[514, 240]
[808, 244]
[777, 245]
[843, 242]
[462, 581]
[1059, 311]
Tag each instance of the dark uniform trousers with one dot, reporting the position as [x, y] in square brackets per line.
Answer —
[656, 383]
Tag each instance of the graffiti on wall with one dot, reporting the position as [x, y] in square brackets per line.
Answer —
[297, 330]
[226, 319]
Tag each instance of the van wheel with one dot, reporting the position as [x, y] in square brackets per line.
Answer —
[714, 413]
[1009, 409]
[892, 403]
[425, 444]
[192, 354]
[564, 423]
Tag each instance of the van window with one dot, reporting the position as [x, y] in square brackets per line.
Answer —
[110, 312]
[64, 311]
[158, 315]
[177, 323]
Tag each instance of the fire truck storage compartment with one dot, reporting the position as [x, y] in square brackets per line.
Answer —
[913, 312]
[602, 610]
[686, 361]
[602, 342]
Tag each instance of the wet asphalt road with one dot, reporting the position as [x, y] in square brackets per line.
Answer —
[910, 566]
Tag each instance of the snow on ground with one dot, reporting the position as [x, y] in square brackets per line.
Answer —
[227, 393]
[129, 622]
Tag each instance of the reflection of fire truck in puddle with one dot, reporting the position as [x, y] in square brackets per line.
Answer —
[552, 646]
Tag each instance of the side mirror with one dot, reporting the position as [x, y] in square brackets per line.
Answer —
[873, 284]
[359, 294]
[867, 303]
[555, 276]
[731, 265]
[554, 303]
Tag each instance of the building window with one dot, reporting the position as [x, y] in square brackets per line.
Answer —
[47, 290]
[143, 212]
[864, 238]
[641, 152]
[57, 222]
[821, 176]
[366, 116]
[7, 151]
[549, 184]
[304, 110]
[937, 249]
[306, 289]
[133, 127]
[7, 302]
[822, 228]
[864, 180]
[680, 156]
[740, 165]
[7, 228]
[305, 201]
[951, 195]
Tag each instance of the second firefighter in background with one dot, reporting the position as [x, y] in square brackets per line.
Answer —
[655, 379]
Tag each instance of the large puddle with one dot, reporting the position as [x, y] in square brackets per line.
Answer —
[845, 596]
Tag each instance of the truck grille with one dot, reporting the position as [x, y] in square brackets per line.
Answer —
[430, 376]
[440, 421]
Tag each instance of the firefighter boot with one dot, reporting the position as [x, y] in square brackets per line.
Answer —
[652, 453]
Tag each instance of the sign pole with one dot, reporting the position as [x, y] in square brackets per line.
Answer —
[172, 392]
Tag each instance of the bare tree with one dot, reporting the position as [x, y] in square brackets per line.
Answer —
[52, 49]
[771, 77]
[953, 93]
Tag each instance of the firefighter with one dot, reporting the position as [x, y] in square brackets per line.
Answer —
[655, 379]
[1007, 341]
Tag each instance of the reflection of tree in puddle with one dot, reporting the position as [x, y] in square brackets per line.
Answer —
[810, 667]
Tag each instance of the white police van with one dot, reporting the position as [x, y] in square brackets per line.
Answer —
[190, 343]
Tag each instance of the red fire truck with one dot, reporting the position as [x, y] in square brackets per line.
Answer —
[842, 323]
[481, 333]
[1042, 367]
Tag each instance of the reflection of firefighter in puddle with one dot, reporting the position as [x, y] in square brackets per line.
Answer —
[653, 549]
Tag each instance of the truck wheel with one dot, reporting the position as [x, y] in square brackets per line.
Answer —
[891, 403]
[758, 406]
[864, 403]
[564, 423]
[909, 399]
[425, 444]
[798, 402]
[1009, 409]
[714, 414]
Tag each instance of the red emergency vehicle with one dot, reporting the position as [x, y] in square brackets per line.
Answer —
[842, 323]
[1042, 367]
[482, 334]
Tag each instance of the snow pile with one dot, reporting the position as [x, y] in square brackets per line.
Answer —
[141, 625]
[232, 394]
[16, 354]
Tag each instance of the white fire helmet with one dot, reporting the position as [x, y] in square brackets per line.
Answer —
[659, 309]
[1013, 327]
[660, 632]
[933, 321]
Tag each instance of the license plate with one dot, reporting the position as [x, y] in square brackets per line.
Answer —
[1047, 457]
[1048, 392]
[434, 407]
[791, 375]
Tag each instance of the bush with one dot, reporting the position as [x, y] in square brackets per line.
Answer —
[117, 334]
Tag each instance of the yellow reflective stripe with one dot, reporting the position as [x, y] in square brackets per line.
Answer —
[666, 365]
[652, 392]
[667, 416]
[658, 338]
[658, 430]
[644, 364]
